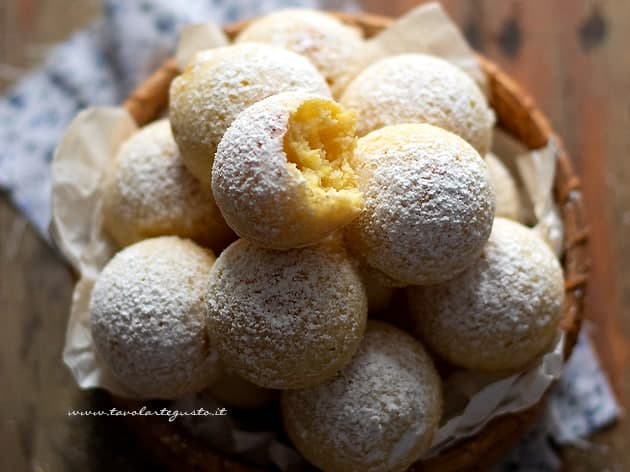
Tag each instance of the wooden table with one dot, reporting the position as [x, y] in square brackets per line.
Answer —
[572, 55]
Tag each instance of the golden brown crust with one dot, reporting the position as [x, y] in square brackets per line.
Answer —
[148, 318]
[429, 204]
[518, 114]
[502, 312]
[328, 43]
[286, 319]
[418, 88]
[148, 193]
[378, 414]
[222, 82]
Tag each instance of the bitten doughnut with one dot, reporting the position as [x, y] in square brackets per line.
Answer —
[222, 82]
[416, 88]
[378, 414]
[285, 319]
[148, 318]
[148, 192]
[428, 204]
[325, 41]
[237, 392]
[282, 175]
[503, 311]
[508, 200]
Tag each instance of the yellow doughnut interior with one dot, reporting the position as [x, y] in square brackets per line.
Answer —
[319, 143]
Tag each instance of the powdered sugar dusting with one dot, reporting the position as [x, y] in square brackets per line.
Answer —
[416, 88]
[286, 319]
[148, 192]
[429, 205]
[221, 83]
[262, 198]
[325, 41]
[148, 318]
[502, 312]
[378, 414]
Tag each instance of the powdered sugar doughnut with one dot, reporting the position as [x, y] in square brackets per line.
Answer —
[503, 311]
[222, 82]
[429, 205]
[286, 319]
[378, 414]
[508, 199]
[416, 88]
[325, 41]
[148, 318]
[282, 175]
[148, 192]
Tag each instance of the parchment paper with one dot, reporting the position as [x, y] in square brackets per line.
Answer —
[534, 171]
[197, 37]
[426, 29]
[79, 165]
[486, 396]
[92, 140]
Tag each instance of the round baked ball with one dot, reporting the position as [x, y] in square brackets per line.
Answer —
[378, 414]
[428, 204]
[282, 175]
[148, 318]
[222, 82]
[508, 199]
[286, 319]
[501, 313]
[236, 392]
[324, 40]
[148, 192]
[416, 88]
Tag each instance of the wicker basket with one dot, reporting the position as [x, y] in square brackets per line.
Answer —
[518, 115]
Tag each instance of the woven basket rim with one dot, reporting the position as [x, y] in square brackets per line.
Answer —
[526, 122]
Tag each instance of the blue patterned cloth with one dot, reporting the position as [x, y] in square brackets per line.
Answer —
[99, 66]
[581, 403]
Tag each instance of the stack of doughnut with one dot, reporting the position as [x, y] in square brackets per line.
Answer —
[264, 223]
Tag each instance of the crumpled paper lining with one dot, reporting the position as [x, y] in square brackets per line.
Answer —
[472, 399]
[426, 29]
[195, 38]
[79, 166]
[92, 140]
[534, 172]
[486, 396]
